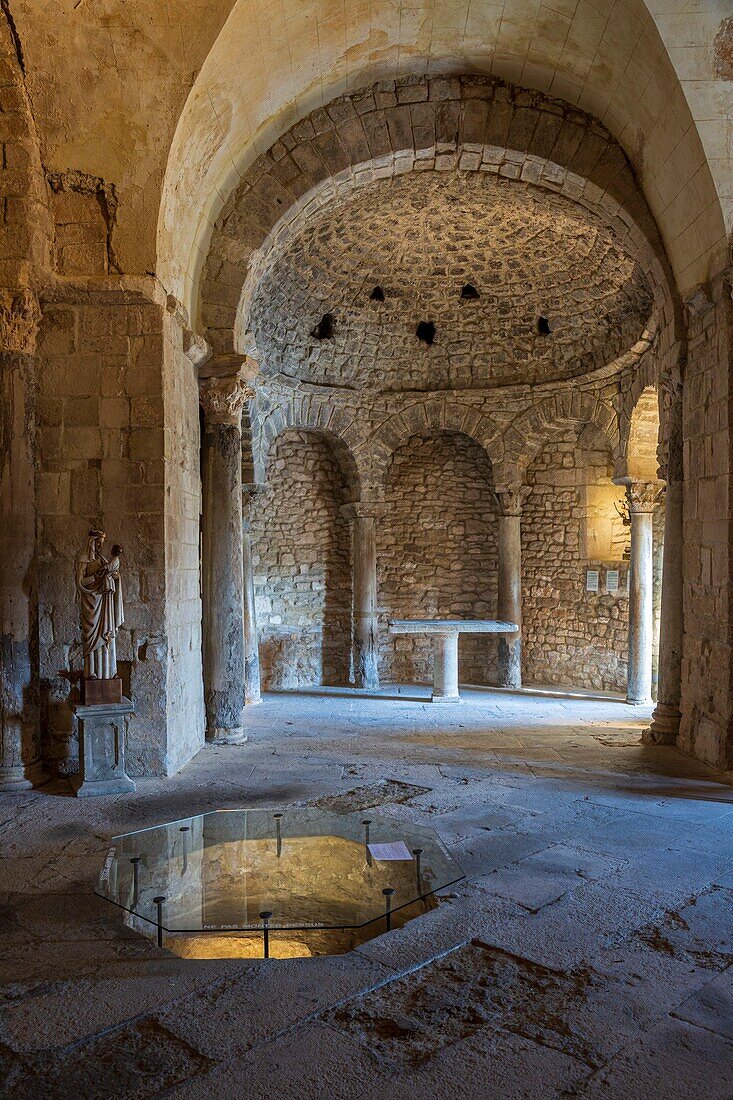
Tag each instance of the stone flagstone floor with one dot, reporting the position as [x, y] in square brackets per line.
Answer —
[587, 954]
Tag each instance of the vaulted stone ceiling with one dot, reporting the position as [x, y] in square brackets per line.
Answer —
[174, 100]
[421, 238]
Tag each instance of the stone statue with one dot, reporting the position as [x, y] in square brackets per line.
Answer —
[99, 591]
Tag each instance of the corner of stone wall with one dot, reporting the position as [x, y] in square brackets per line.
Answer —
[706, 729]
[118, 444]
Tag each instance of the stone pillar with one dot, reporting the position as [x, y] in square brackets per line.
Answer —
[363, 517]
[252, 689]
[642, 498]
[666, 719]
[223, 388]
[20, 741]
[510, 501]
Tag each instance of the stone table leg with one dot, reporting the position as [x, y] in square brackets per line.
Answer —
[445, 668]
[222, 398]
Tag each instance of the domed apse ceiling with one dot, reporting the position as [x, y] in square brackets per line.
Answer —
[536, 261]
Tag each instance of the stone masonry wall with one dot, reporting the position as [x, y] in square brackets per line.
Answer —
[571, 637]
[111, 380]
[436, 553]
[301, 558]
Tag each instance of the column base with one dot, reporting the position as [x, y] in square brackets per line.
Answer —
[253, 702]
[639, 702]
[22, 777]
[445, 699]
[92, 788]
[665, 726]
[235, 736]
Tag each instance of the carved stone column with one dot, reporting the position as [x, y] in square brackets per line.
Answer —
[363, 517]
[20, 742]
[224, 387]
[510, 500]
[252, 688]
[666, 719]
[642, 497]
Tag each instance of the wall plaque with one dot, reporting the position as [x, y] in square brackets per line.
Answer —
[592, 578]
[612, 580]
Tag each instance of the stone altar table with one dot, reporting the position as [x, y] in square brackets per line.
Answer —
[445, 647]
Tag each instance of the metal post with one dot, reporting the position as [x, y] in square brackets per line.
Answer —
[265, 918]
[185, 829]
[417, 852]
[388, 892]
[135, 861]
[159, 906]
[278, 818]
[366, 823]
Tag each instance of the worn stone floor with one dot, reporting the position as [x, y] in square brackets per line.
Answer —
[588, 952]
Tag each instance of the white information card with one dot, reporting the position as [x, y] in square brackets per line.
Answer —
[396, 850]
[612, 580]
[592, 577]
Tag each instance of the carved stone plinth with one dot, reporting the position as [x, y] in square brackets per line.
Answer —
[94, 692]
[102, 749]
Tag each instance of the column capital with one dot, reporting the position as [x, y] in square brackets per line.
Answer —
[225, 383]
[643, 496]
[20, 316]
[510, 498]
[363, 509]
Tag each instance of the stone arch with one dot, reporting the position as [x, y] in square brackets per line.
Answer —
[645, 381]
[529, 432]
[311, 415]
[475, 124]
[425, 416]
[619, 68]
[643, 436]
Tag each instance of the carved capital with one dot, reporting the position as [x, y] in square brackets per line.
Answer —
[364, 509]
[643, 496]
[195, 348]
[225, 383]
[510, 499]
[20, 316]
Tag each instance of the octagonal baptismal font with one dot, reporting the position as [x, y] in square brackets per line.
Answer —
[254, 883]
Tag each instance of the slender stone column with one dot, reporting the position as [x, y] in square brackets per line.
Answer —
[363, 516]
[252, 690]
[666, 719]
[20, 742]
[510, 500]
[223, 388]
[642, 497]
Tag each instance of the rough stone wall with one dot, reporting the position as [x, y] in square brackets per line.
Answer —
[301, 558]
[111, 382]
[436, 553]
[707, 666]
[571, 636]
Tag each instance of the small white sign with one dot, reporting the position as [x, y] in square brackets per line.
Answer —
[396, 850]
[612, 580]
[592, 578]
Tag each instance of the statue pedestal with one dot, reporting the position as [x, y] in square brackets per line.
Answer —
[94, 692]
[102, 749]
